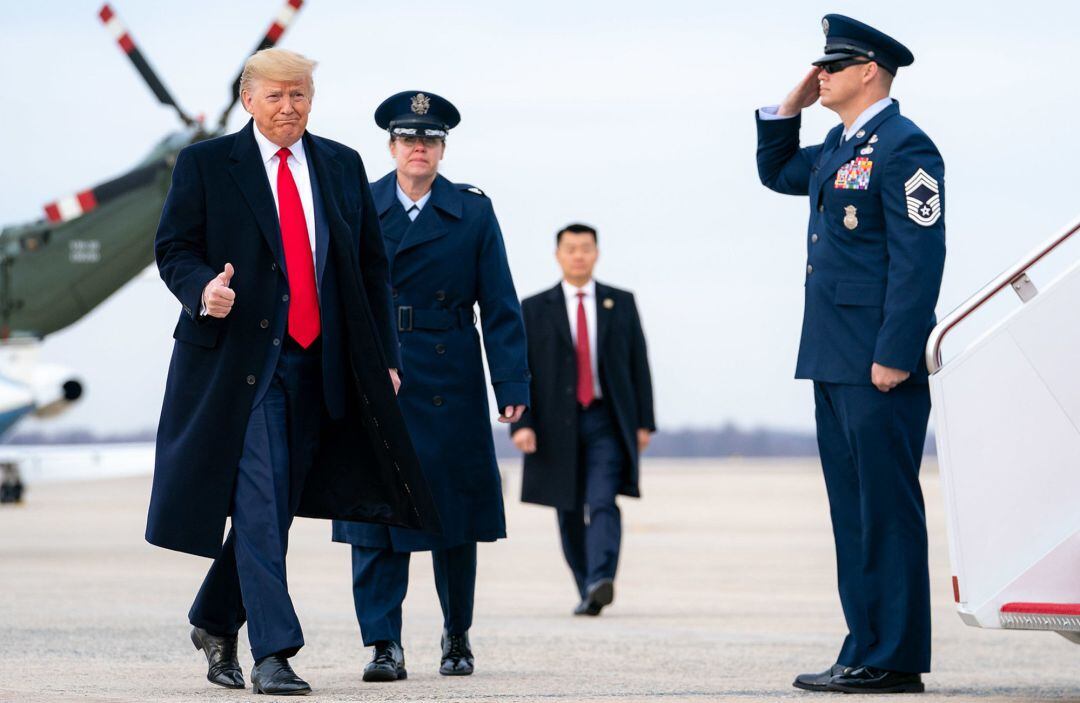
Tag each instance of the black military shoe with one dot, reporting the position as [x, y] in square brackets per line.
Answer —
[868, 679]
[599, 594]
[387, 663]
[819, 682]
[272, 675]
[224, 669]
[457, 656]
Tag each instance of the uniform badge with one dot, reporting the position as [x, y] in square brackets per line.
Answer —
[850, 220]
[873, 139]
[608, 303]
[860, 134]
[854, 175]
[867, 151]
[923, 198]
[421, 104]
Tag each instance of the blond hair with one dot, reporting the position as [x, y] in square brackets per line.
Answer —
[277, 65]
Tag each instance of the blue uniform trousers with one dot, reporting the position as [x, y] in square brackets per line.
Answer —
[591, 532]
[247, 581]
[871, 446]
[381, 579]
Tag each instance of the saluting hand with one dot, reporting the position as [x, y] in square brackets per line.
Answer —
[804, 95]
[886, 378]
[217, 296]
[525, 440]
[512, 413]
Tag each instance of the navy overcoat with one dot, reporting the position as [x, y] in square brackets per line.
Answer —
[220, 210]
[450, 259]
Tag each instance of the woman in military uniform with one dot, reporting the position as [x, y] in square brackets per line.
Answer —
[446, 256]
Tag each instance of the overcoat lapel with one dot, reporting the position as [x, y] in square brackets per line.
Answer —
[557, 310]
[248, 171]
[604, 313]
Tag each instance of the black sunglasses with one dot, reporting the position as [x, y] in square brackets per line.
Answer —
[837, 66]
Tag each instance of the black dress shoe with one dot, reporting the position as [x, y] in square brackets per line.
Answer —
[819, 682]
[223, 667]
[868, 679]
[457, 656]
[272, 675]
[387, 663]
[598, 595]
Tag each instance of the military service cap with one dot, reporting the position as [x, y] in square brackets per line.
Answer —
[416, 114]
[846, 38]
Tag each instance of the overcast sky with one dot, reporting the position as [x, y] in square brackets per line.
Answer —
[636, 117]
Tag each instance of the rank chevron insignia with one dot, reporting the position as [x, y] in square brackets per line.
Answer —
[923, 198]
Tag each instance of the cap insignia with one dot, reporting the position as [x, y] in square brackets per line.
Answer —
[825, 26]
[421, 104]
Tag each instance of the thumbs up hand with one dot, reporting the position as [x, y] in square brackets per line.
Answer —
[217, 297]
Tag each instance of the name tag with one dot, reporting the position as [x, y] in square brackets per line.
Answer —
[854, 175]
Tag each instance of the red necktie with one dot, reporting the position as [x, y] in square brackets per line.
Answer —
[304, 324]
[585, 394]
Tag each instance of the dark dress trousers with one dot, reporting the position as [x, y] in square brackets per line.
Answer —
[585, 457]
[251, 425]
[875, 255]
[449, 259]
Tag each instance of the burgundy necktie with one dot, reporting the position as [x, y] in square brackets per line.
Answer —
[304, 322]
[585, 394]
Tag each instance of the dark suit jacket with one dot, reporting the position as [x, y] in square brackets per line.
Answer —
[551, 474]
[220, 209]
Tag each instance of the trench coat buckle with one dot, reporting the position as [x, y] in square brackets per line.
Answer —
[405, 318]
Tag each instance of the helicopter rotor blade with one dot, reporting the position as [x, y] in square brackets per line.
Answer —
[277, 28]
[127, 44]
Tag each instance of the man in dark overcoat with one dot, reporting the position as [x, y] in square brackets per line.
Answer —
[280, 397]
[591, 414]
[875, 252]
[446, 255]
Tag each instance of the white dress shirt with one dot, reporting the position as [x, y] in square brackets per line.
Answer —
[589, 301]
[769, 113]
[298, 166]
[412, 207]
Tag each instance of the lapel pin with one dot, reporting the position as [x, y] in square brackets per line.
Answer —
[867, 150]
[608, 303]
[860, 134]
[873, 139]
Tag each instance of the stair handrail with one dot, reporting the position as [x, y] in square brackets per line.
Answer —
[1015, 275]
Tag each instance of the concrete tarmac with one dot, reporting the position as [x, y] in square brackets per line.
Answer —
[726, 590]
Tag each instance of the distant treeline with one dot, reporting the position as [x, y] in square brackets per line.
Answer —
[725, 441]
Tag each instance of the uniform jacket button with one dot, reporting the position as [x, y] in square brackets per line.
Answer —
[440, 348]
[285, 298]
[821, 208]
[440, 295]
[437, 401]
[264, 323]
[809, 269]
[250, 380]
[813, 239]
[277, 342]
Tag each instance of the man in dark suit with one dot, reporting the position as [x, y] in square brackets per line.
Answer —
[592, 412]
[281, 392]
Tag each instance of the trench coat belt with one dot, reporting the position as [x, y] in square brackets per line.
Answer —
[410, 318]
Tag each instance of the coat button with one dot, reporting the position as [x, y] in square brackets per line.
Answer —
[440, 348]
[437, 401]
[264, 323]
[273, 267]
[250, 380]
[277, 342]
[440, 295]
[285, 298]
[809, 269]
[821, 208]
[813, 239]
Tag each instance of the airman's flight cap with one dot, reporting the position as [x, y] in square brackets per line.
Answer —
[846, 38]
[417, 114]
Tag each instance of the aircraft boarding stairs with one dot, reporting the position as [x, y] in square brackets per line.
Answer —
[1007, 417]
